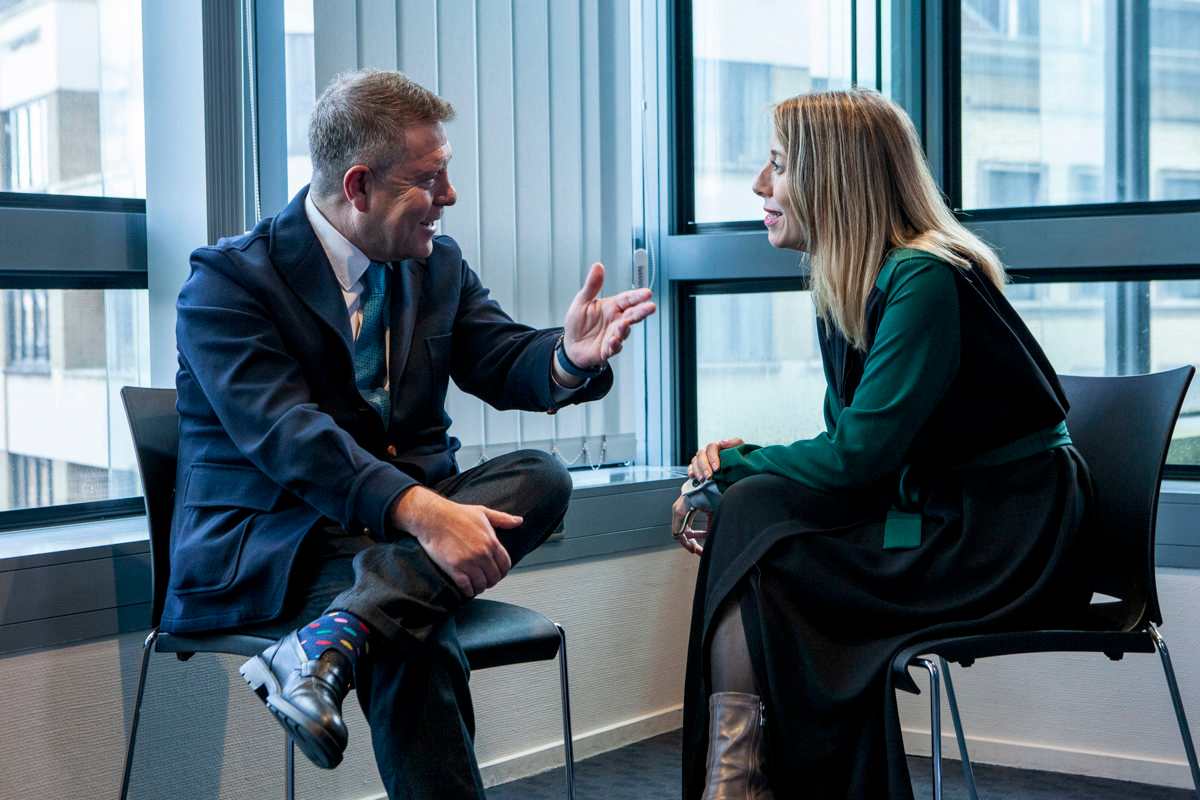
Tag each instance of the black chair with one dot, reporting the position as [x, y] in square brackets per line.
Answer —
[492, 634]
[1122, 426]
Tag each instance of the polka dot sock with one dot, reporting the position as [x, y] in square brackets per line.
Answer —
[339, 631]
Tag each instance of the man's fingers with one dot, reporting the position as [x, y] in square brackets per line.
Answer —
[734, 442]
[631, 298]
[463, 583]
[592, 284]
[500, 519]
[503, 559]
[639, 312]
[490, 569]
[476, 577]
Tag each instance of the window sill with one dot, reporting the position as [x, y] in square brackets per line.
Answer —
[68, 583]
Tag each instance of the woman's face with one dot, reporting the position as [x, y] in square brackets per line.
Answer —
[783, 226]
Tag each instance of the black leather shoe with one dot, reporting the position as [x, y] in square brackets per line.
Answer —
[304, 695]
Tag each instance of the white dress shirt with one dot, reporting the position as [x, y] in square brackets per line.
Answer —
[348, 262]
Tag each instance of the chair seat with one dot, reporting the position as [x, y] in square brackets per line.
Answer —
[237, 644]
[968, 648]
[494, 634]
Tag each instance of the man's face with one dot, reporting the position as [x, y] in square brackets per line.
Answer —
[407, 198]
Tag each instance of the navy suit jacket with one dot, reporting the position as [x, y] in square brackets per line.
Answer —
[274, 436]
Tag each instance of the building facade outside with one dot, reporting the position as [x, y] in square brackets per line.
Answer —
[70, 124]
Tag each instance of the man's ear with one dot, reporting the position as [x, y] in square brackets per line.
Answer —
[356, 185]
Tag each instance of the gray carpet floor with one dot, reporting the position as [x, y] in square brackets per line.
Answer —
[649, 770]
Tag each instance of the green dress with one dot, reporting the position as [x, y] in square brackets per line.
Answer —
[943, 493]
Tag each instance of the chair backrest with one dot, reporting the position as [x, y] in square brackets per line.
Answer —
[1123, 426]
[154, 423]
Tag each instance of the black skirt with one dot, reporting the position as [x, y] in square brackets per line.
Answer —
[826, 608]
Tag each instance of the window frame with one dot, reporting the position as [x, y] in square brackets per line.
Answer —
[681, 198]
[113, 226]
[1133, 116]
[1089, 242]
[686, 360]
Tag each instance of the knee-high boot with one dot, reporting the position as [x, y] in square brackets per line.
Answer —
[735, 748]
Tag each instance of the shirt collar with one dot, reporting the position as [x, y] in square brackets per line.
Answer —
[348, 262]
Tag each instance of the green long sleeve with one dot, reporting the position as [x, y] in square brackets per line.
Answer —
[911, 363]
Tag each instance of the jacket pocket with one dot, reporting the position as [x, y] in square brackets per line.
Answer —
[221, 503]
[230, 485]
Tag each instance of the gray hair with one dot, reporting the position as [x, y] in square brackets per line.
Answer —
[361, 118]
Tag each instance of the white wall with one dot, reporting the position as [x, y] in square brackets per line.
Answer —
[204, 736]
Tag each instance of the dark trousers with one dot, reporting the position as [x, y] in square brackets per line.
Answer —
[412, 683]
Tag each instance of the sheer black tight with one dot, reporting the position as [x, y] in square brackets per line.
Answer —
[729, 655]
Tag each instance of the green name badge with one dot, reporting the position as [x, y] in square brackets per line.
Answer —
[901, 531]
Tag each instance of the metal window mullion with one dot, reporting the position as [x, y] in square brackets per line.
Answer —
[266, 130]
[1127, 322]
[1137, 65]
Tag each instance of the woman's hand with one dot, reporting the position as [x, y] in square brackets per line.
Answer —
[690, 539]
[708, 458]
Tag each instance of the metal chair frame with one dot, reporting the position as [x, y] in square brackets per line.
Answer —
[942, 669]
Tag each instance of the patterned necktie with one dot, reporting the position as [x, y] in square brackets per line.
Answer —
[370, 348]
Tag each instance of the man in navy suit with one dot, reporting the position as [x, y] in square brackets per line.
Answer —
[319, 497]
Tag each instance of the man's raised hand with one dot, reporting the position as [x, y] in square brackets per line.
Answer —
[596, 327]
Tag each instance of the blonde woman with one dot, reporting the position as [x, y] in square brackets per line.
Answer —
[945, 490]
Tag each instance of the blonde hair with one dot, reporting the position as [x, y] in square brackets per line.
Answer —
[859, 184]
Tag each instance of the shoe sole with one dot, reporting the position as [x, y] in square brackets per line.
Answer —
[313, 740]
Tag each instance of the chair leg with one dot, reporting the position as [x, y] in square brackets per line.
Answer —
[935, 723]
[568, 743]
[290, 785]
[1176, 700]
[968, 772]
[147, 649]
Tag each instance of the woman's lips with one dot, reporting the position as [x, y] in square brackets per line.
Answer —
[772, 218]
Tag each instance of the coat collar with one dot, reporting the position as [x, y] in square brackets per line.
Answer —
[297, 254]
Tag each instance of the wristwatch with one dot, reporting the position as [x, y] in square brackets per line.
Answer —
[583, 373]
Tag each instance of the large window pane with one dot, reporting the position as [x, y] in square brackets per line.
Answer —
[301, 88]
[71, 97]
[740, 69]
[67, 353]
[1120, 328]
[759, 365]
[1079, 101]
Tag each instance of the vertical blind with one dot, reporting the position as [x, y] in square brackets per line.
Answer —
[542, 164]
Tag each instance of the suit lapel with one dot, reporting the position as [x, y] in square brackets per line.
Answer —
[298, 255]
[407, 282]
